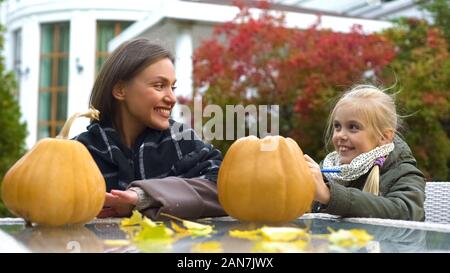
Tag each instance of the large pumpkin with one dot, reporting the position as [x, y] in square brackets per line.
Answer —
[265, 180]
[56, 183]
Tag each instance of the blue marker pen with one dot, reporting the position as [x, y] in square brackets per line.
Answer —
[330, 170]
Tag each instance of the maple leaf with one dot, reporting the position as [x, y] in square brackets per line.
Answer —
[147, 223]
[196, 229]
[246, 234]
[350, 238]
[155, 232]
[130, 231]
[151, 236]
[135, 219]
[147, 235]
[154, 238]
[282, 234]
[192, 228]
[179, 229]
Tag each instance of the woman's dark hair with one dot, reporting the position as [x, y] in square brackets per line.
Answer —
[122, 65]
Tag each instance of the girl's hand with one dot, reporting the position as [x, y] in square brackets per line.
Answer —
[118, 204]
[322, 191]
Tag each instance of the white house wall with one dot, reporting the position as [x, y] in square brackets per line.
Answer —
[184, 47]
[122, 9]
[28, 15]
[81, 65]
[29, 80]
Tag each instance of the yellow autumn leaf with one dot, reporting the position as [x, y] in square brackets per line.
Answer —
[281, 247]
[283, 234]
[192, 228]
[362, 236]
[207, 247]
[147, 235]
[153, 232]
[246, 234]
[130, 231]
[350, 238]
[135, 219]
[155, 245]
[196, 229]
[178, 229]
[146, 222]
[193, 225]
[168, 231]
[201, 232]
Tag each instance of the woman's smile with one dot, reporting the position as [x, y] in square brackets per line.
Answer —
[163, 111]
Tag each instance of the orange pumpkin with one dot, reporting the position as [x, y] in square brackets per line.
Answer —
[265, 180]
[56, 183]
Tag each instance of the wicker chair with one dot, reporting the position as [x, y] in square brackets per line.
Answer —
[437, 202]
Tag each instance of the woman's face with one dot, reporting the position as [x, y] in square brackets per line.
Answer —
[149, 96]
[351, 137]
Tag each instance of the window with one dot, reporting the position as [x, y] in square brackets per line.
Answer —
[53, 78]
[106, 31]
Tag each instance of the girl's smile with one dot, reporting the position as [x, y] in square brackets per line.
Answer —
[344, 149]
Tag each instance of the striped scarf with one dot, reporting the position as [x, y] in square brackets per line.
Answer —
[359, 166]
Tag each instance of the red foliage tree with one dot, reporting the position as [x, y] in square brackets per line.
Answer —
[260, 61]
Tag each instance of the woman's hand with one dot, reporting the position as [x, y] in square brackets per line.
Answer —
[322, 191]
[118, 204]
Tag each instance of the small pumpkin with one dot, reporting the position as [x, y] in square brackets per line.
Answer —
[56, 183]
[265, 180]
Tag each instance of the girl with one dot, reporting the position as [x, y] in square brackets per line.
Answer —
[150, 162]
[378, 175]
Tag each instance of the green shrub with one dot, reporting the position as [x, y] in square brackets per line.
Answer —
[13, 131]
[422, 69]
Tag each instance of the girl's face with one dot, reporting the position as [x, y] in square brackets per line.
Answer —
[149, 97]
[351, 137]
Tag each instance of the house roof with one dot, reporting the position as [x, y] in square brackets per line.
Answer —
[211, 12]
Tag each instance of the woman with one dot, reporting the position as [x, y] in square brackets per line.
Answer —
[149, 161]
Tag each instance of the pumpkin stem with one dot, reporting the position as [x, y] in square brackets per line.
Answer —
[92, 113]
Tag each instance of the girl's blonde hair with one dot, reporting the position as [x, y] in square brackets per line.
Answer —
[376, 109]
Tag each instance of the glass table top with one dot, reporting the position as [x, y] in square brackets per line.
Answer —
[107, 235]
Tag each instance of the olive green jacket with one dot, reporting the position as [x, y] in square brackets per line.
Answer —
[402, 191]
